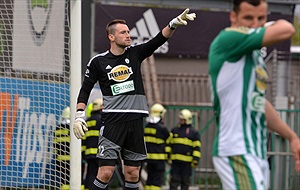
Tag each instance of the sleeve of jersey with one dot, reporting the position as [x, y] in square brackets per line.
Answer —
[241, 41]
[148, 48]
[88, 83]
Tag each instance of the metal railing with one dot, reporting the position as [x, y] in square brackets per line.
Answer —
[187, 89]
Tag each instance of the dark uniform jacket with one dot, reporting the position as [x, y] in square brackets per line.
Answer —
[62, 141]
[185, 144]
[156, 138]
[90, 140]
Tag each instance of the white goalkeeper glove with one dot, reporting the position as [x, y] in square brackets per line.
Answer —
[80, 125]
[182, 19]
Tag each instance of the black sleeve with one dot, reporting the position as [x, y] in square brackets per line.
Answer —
[88, 83]
[85, 91]
[149, 47]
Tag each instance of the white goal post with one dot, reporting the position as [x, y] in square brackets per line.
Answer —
[38, 59]
[75, 178]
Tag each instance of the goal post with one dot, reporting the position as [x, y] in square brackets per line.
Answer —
[75, 180]
[37, 65]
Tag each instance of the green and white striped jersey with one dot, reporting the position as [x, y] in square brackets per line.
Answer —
[238, 83]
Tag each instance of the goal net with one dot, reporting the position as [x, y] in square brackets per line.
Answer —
[34, 90]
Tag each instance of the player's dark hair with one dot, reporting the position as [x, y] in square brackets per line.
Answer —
[237, 3]
[111, 26]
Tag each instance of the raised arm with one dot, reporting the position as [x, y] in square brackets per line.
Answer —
[178, 21]
[278, 31]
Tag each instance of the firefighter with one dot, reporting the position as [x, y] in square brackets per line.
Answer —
[156, 138]
[90, 142]
[62, 151]
[185, 151]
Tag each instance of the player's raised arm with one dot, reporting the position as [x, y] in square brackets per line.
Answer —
[178, 21]
[278, 31]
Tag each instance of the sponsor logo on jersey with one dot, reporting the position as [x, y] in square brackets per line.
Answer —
[120, 73]
[258, 102]
[121, 88]
[261, 78]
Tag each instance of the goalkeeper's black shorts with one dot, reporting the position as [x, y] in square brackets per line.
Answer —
[122, 139]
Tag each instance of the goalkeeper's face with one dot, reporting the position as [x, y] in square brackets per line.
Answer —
[121, 36]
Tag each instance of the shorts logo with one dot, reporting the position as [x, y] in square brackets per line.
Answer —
[122, 87]
[120, 73]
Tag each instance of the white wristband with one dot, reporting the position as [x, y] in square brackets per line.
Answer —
[79, 114]
[172, 24]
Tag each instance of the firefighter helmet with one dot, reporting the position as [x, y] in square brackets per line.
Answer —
[66, 113]
[157, 110]
[186, 115]
[97, 104]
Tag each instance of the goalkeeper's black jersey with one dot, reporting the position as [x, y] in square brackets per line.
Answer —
[120, 81]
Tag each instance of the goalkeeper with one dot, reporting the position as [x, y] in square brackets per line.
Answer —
[118, 72]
